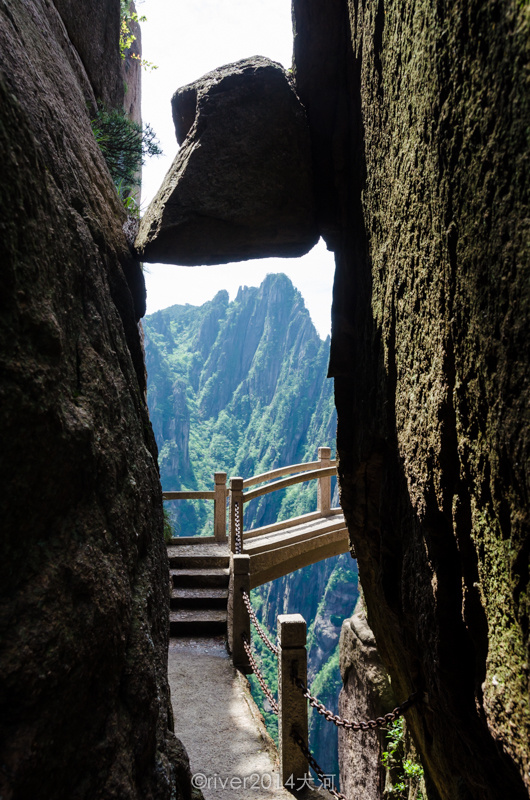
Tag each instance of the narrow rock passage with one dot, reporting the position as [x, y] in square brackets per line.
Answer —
[231, 755]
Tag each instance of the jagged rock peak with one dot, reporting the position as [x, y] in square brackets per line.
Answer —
[241, 186]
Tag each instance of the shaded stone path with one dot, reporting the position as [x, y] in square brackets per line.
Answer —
[231, 755]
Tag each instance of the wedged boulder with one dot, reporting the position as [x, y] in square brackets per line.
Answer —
[241, 185]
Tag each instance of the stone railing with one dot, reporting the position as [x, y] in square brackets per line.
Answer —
[321, 470]
[218, 495]
[292, 691]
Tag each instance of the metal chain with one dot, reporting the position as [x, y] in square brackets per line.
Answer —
[370, 724]
[312, 763]
[259, 676]
[261, 633]
[237, 521]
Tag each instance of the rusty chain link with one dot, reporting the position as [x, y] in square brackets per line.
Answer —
[237, 523]
[370, 724]
[259, 676]
[313, 764]
[261, 633]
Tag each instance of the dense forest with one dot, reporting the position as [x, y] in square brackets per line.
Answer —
[241, 387]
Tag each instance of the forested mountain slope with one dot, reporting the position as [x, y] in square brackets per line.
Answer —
[241, 387]
[237, 387]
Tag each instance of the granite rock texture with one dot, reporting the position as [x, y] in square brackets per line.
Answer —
[366, 694]
[420, 118]
[369, 766]
[84, 698]
[95, 34]
[95, 54]
[241, 185]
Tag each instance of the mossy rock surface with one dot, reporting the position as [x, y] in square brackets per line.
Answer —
[420, 120]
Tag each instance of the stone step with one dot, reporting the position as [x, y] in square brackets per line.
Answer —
[197, 562]
[197, 622]
[197, 578]
[208, 597]
[198, 556]
[179, 541]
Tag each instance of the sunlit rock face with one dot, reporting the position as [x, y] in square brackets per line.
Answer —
[366, 694]
[241, 185]
[419, 116]
[84, 699]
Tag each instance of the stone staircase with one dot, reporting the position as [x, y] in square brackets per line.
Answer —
[199, 574]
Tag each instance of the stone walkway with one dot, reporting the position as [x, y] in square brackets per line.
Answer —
[231, 755]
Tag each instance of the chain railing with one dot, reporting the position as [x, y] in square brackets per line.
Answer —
[237, 524]
[284, 706]
[341, 722]
[260, 631]
[293, 693]
[257, 672]
[291, 707]
[322, 776]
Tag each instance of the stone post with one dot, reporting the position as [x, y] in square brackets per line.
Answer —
[238, 618]
[292, 713]
[324, 484]
[236, 498]
[219, 507]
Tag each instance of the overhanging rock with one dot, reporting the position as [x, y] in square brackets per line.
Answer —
[241, 185]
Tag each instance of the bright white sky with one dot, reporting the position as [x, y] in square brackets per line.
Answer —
[186, 39]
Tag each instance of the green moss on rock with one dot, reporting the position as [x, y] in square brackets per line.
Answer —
[429, 150]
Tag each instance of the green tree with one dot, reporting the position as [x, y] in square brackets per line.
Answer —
[125, 145]
[406, 775]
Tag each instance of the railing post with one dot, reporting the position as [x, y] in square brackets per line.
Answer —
[324, 484]
[219, 507]
[292, 713]
[238, 618]
[236, 498]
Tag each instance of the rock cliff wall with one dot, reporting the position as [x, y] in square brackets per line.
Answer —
[366, 694]
[84, 699]
[419, 116]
